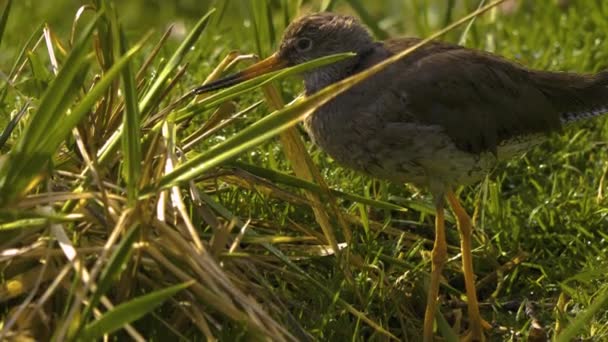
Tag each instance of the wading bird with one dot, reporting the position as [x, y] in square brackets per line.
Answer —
[440, 117]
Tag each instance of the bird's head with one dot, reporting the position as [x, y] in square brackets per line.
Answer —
[322, 34]
[310, 37]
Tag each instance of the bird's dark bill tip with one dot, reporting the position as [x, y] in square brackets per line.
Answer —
[219, 84]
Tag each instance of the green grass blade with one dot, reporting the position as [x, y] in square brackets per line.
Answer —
[157, 87]
[131, 141]
[111, 271]
[83, 107]
[263, 27]
[22, 53]
[26, 161]
[367, 18]
[22, 173]
[4, 18]
[583, 319]
[281, 256]
[444, 327]
[244, 87]
[106, 41]
[6, 133]
[246, 139]
[129, 312]
[55, 100]
[255, 7]
[327, 5]
[283, 178]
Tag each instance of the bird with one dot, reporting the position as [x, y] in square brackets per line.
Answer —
[441, 117]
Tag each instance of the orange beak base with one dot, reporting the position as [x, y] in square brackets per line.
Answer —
[267, 65]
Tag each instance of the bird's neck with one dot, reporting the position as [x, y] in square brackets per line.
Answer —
[322, 77]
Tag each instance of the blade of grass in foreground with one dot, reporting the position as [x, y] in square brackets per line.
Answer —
[281, 256]
[107, 278]
[244, 87]
[31, 156]
[32, 152]
[283, 178]
[584, 318]
[131, 143]
[444, 327]
[367, 18]
[25, 49]
[4, 18]
[279, 121]
[157, 87]
[6, 133]
[173, 63]
[55, 101]
[129, 312]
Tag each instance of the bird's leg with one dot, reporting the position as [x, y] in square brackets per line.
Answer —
[438, 259]
[465, 225]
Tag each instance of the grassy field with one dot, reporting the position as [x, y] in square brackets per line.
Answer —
[127, 209]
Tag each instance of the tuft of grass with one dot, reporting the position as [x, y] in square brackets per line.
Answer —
[130, 208]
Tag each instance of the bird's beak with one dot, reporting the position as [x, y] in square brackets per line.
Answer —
[272, 63]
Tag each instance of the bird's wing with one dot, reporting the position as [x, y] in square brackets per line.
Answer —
[479, 99]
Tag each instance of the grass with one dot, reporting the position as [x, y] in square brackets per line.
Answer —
[130, 211]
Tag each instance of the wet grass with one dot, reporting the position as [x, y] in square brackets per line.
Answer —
[124, 211]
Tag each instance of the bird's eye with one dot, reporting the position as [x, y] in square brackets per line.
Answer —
[304, 44]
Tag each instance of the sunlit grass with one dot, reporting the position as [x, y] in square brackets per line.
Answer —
[114, 194]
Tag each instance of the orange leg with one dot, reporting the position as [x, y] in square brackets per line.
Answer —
[438, 259]
[465, 228]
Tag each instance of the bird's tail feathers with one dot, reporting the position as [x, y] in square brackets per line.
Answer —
[576, 96]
